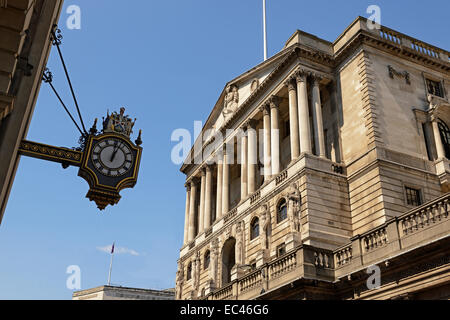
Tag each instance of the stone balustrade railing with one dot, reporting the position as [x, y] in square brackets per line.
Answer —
[255, 197]
[343, 255]
[282, 265]
[413, 44]
[224, 293]
[397, 234]
[230, 214]
[400, 234]
[322, 259]
[251, 281]
[281, 177]
[375, 239]
[390, 35]
[425, 216]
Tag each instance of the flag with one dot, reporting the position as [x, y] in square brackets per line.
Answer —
[112, 248]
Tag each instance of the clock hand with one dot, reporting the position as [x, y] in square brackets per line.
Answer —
[116, 147]
[115, 151]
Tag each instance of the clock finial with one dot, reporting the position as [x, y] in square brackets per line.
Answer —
[138, 141]
[119, 123]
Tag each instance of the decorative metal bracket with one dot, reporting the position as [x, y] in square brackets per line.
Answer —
[67, 157]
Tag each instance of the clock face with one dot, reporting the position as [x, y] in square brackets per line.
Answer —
[112, 157]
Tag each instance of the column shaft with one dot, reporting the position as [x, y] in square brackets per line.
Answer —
[226, 185]
[293, 121]
[219, 189]
[275, 136]
[303, 113]
[267, 144]
[202, 203]
[186, 214]
[208, 195]
[244, 164]
[319, 139]
[192, 210]
[252, 156]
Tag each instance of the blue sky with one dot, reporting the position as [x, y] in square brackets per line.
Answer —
[167, 62]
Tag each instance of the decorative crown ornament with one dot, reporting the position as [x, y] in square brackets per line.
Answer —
[118, 123]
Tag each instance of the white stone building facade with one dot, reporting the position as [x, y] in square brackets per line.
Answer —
[316, 164]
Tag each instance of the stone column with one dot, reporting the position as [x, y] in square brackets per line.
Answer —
[192, 210]
[252, 156]
[319, 139]
[275, 135]
[437, 138]
[219, 186]
[303, 112]
[208, 196]
[244, 164]
[293, 120]
[267, 144]
[186, 215]
[202, 201]
[225, 183]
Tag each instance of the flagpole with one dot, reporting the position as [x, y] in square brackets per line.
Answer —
[110, 265]
[265, 30]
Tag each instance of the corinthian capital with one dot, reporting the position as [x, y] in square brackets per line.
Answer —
[301, 75]
[290, 83]
[265, 109]
[274, 102]
[316, 79]
[250, 124]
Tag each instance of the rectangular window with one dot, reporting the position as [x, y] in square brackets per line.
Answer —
[435, 88]
[413, 197]
[281, 250]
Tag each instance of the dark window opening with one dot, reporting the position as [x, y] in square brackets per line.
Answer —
[281, 250]
[189, 272]
[435, 88]
[254, 229]
[445, 137]
[281, 211]
[206, 260]
[413, 197]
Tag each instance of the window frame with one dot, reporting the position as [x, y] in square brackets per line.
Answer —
[189, 271]
[206, 255]
[444, 131]
[281, 248]
[254, 221]
[407, 187]
[437, 85]
[429, 77]
[281, 202]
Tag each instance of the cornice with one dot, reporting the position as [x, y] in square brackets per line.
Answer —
[367, 38]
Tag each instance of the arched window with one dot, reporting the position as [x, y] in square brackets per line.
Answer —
[228, 260]
[281, 211]
[254, 229]
[445, 137]
[206, 260]
[189, 271]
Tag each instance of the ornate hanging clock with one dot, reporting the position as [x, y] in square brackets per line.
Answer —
[109, 161]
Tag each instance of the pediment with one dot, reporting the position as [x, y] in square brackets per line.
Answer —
[238, 90]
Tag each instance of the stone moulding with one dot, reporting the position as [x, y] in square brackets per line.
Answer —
[404, 74]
